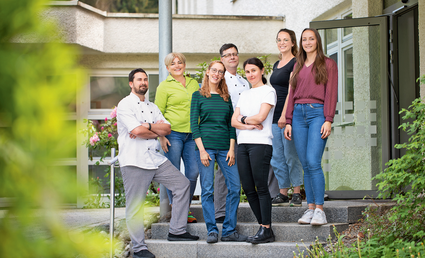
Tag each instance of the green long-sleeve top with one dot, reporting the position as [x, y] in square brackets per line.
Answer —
[173, 100]
[210, 119]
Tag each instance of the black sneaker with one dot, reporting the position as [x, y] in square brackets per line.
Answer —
[296, 200]
[143, 254]
[183, 237]
[235, 237]
[280, 200]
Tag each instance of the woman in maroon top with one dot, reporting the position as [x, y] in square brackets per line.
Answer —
[310, 111]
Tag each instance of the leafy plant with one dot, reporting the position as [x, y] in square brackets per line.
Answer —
[404, 178]
[369, 248]
[101, 136]
[95, 200]
[199, 76]
[378, 221]
[125, 6]
[152, 195]
[268, 67]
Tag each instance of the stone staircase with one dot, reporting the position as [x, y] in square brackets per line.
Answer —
[285, 227]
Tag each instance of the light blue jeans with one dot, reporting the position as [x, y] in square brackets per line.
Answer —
[233, 184]
[285, 162]
[183, 147]
[306, 124]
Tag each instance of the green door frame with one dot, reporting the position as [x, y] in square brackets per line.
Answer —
[382, 22]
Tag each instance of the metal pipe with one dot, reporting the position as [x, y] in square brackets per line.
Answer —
[112, 202]
[165, 47]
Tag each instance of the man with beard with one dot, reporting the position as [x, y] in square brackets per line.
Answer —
[139, 124]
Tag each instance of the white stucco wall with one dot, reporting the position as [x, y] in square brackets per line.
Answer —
[112, 33]
[298, 14]
[298, 18]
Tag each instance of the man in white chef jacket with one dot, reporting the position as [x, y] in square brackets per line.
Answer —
[139, 124]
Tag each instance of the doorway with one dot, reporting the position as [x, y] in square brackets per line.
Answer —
[360, 142]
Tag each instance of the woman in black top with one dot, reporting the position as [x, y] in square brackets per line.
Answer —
[286, 165]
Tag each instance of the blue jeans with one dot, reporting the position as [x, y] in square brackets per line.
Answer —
[183, 146]
[285, 162]
[233, 191]
[306, 124]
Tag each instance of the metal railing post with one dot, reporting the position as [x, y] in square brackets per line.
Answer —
[112, 202]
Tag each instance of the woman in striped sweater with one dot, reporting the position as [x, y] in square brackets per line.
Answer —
[210, 121]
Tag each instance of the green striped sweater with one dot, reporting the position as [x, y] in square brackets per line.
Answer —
[210, 119]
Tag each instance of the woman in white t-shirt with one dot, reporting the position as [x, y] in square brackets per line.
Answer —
[253, 118]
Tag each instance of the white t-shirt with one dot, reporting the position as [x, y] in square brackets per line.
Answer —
[249, 104]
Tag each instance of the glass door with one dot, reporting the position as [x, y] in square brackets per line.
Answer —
[359, 145]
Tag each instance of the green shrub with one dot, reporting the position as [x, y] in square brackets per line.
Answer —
[370, 248]
[404, 178]
[199, 76]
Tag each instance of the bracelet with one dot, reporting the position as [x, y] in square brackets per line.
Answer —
[243, 120]
[149, 126]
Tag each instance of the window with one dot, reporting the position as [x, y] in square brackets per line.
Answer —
[338, 44]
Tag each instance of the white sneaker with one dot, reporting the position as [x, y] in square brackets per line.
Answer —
[319, 218]
[306, 218]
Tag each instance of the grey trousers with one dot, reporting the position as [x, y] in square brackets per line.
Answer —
[220, 189]
[273, 184]
[136, 184]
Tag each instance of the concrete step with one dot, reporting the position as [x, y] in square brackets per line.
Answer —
[336, 212]
[283, 231]
[200, 249]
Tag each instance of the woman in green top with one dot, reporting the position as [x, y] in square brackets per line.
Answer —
[210, 120]
[173, 97]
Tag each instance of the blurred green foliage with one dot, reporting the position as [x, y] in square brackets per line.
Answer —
[38, 87]
[125, 6]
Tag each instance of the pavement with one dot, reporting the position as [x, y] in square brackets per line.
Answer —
[81, 218]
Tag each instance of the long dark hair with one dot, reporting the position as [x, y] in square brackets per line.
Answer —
[294, 49]
[221, 88]
[319, 65]
[257, 62]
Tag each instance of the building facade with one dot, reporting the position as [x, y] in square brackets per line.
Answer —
[364, 37]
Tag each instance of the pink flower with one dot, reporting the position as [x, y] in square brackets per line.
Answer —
[115, 124]
[94, 139]
[102, 128]
[109, 135]
[113, 113]
[157, 189]
[106, 119]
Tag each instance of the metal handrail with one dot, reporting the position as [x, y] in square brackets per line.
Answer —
[112, 162]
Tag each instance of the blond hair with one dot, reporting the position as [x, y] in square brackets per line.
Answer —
[170, 57]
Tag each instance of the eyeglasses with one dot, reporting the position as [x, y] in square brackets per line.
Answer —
[229, 55]
[280, 41]
[214, 70]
